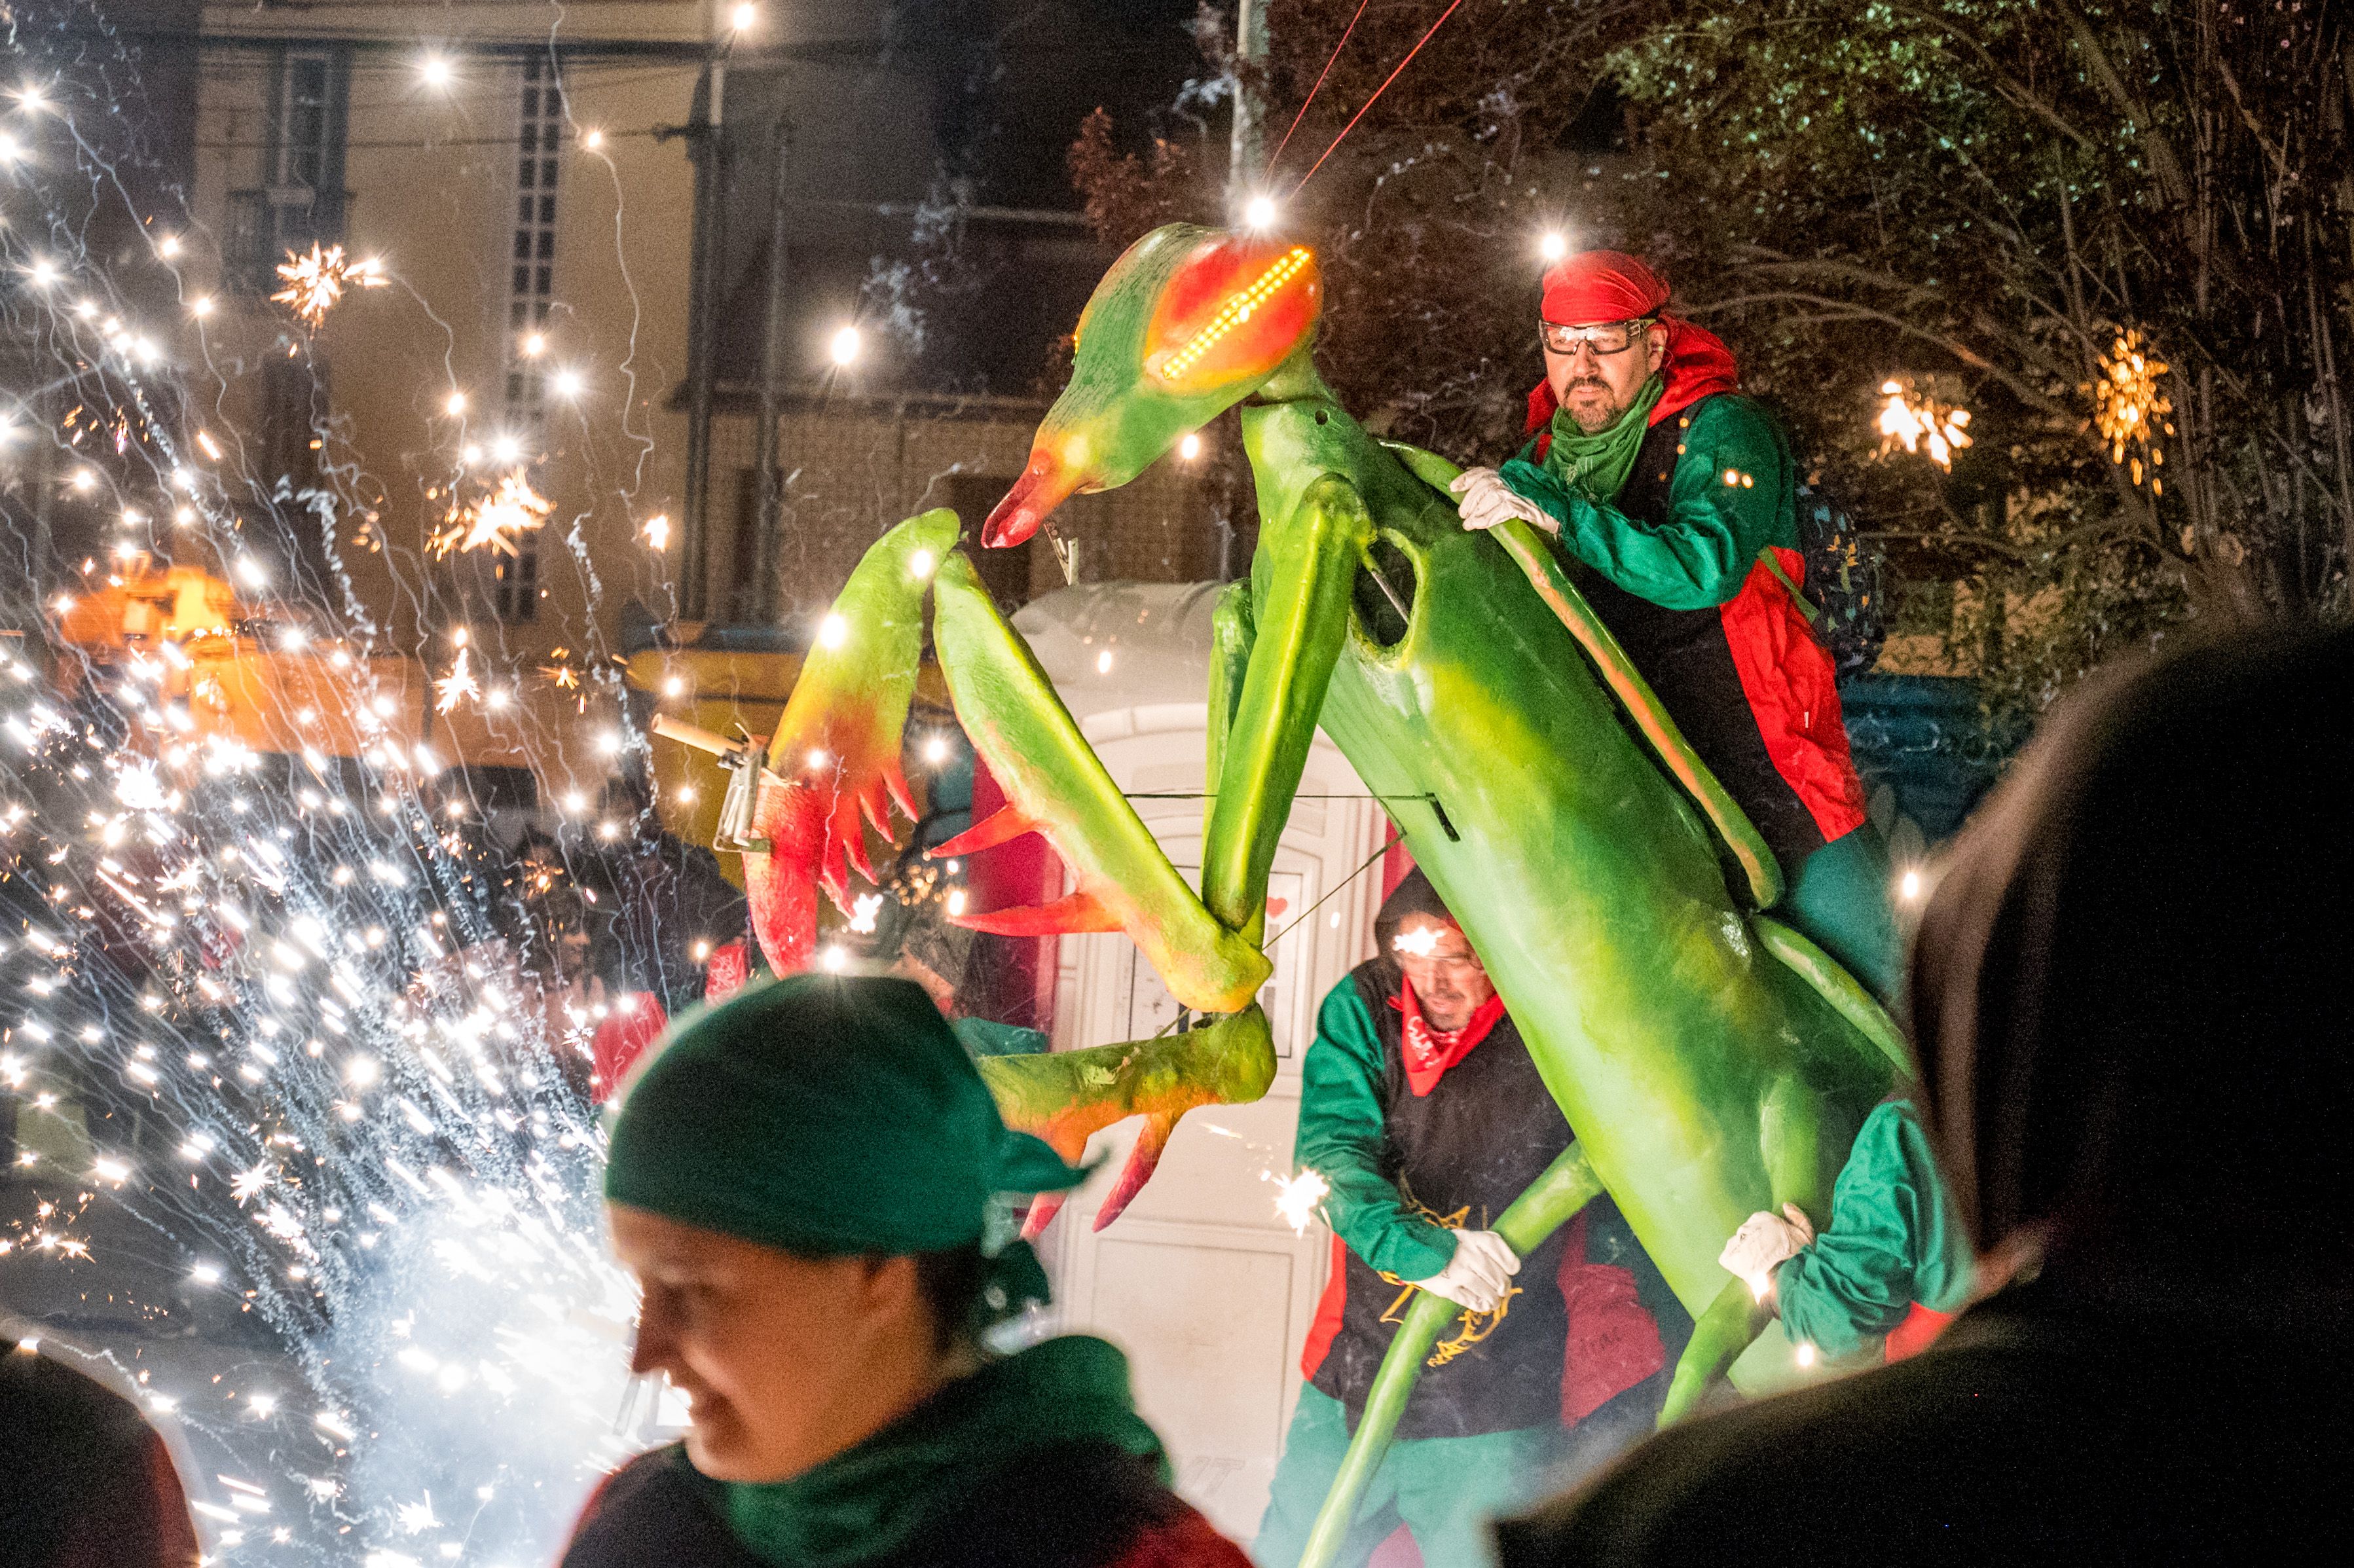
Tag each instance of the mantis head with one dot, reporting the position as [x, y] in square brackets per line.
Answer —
[1187, 323]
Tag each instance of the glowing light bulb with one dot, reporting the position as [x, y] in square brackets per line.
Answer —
[43, 273]
[592, 140]
[85, 480]
[936, 750]
[569, 384]
[1908, 886]
[744, 18]
[1259, 212]
[956, 903]
[32, 100]
[1553, 246]
[920, 565]
[817, 759]
[435, 71]
[534, 344]
[834, 960]
[1103, 662]
[1190, 448]
[845, 347]
[454, 405]
[506, 449]
[201, 306]
[168, 247]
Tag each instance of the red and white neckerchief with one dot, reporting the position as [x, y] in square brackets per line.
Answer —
[1430, 1051]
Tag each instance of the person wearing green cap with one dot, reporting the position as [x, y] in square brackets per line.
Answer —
[807, 1182]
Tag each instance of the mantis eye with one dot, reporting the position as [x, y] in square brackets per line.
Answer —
[1233, 309]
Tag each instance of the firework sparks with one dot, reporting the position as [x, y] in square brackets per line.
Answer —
[457, 685]
[494, 519]
[1296, 1198]
[1916, 422]
[315, 282]
[656, 531]
[2130, 410]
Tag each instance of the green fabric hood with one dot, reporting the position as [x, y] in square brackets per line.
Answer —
[822, 1115]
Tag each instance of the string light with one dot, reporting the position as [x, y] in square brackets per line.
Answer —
[1553, 246]
[845, 347]
[1259, 213]
[436, 70]
[1237, 310]
[2129, 409]
[1918, 422]
[1190, 448]
[454, 405]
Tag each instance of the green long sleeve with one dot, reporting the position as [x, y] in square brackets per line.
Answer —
[1702, 554]
[1895, 1239]
[1340, 1132]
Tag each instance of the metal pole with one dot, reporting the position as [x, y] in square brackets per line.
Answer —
[1248, 154]
[769, 541]
[710, 143]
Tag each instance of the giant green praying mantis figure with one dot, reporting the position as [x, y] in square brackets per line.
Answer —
[1711, 1061]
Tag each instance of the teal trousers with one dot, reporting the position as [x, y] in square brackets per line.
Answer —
[1444, 1490]
[1840, 900]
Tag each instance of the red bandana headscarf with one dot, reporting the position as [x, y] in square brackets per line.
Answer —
[1596, 286]
[1430, 1051]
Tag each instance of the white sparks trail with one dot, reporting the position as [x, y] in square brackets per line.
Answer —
[291, 1067]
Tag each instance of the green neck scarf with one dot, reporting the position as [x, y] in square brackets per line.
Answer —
[871, 1501]
[1599, 464]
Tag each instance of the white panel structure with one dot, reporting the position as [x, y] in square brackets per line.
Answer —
[1206, 1288]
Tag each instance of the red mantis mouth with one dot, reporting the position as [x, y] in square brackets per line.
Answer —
[1045, 485]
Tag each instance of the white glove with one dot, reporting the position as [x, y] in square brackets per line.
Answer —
[1764, 1241]
[1480, 1273]
[1487, 501]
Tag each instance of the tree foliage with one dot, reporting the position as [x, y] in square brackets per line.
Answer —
[1977, 197]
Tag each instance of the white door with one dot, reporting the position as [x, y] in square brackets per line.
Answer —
[1208, 1291]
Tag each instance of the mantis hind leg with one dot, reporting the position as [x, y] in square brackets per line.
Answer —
[1567, 1185]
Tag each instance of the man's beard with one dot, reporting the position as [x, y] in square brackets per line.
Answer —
[1592, 418]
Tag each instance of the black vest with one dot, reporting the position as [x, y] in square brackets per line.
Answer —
[1685, 656]
[1462, 1153]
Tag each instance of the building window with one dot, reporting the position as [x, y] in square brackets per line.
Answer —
[531, 289]
[302, 201]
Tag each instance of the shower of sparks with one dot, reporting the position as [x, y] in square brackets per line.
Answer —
[1296, 1198]
[315, 282]
[511, 508]
[457, 685]
[1917, 422]
[2129, 409]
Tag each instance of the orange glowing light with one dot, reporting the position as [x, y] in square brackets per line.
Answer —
[1233, 308]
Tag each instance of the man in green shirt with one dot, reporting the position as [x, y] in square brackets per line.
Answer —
[1680, 496]
[1422, 1111]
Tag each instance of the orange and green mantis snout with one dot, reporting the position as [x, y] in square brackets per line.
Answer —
[1187, 322]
